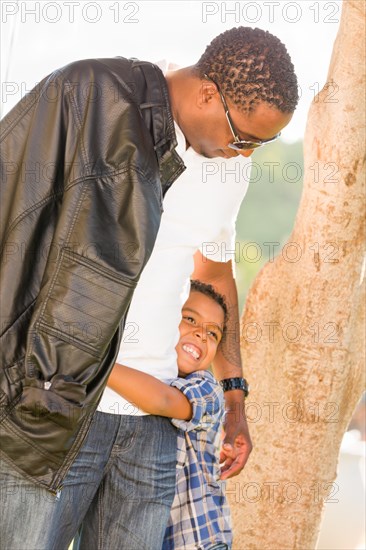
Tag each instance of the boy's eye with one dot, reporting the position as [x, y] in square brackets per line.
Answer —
[189, 319]
[213, 334]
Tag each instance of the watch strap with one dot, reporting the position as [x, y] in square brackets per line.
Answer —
[228, 384]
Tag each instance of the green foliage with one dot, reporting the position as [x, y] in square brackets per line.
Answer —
[268, 211]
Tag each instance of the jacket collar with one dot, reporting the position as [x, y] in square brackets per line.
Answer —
[151, 93]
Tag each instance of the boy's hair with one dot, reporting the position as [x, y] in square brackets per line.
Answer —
[251, 65]
[208, 290]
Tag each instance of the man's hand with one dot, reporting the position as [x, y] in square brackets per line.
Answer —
[236, 446]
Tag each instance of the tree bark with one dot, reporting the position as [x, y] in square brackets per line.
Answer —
[302, 328]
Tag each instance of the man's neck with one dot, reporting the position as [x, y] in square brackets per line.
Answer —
[180, 83]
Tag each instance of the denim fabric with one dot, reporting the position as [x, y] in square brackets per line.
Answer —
[120, 488]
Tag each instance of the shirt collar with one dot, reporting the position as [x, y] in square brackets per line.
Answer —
[155, 107]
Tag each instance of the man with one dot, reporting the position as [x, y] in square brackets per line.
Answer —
[65, 312]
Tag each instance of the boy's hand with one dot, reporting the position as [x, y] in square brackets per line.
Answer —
[236, 445]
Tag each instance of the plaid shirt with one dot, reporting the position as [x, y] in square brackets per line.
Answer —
[200, 515]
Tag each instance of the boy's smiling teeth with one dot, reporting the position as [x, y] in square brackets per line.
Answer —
[191, 351]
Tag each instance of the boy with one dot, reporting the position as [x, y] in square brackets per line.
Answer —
[199, 516]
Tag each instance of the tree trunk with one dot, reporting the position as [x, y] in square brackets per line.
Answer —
[302, 331]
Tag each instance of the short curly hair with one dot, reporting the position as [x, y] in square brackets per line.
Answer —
[250, 66]
[209, 290]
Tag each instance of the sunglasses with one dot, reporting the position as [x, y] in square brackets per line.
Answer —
[239, 144]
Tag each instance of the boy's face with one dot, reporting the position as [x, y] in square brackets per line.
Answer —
[201, 331]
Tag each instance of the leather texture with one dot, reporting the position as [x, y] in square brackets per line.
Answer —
[86, 158]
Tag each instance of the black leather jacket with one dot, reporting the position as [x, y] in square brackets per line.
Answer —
[85, 160]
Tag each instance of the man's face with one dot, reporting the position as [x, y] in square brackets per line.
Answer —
[200, 330]
[208, 131]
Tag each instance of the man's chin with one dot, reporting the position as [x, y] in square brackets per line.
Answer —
[203, 153]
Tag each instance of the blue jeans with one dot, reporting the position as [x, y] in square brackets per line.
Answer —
[118, 491]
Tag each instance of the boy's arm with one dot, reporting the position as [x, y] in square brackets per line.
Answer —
[149, 394]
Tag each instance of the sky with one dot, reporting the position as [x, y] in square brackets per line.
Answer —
[38, 37]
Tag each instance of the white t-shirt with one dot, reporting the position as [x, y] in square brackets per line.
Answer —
[200, 210]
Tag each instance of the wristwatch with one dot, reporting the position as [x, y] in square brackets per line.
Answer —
[228, 384]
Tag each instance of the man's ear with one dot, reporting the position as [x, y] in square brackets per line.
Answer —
[207, 92]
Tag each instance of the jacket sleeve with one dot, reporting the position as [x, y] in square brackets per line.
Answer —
[104, 227]
[85, 298]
